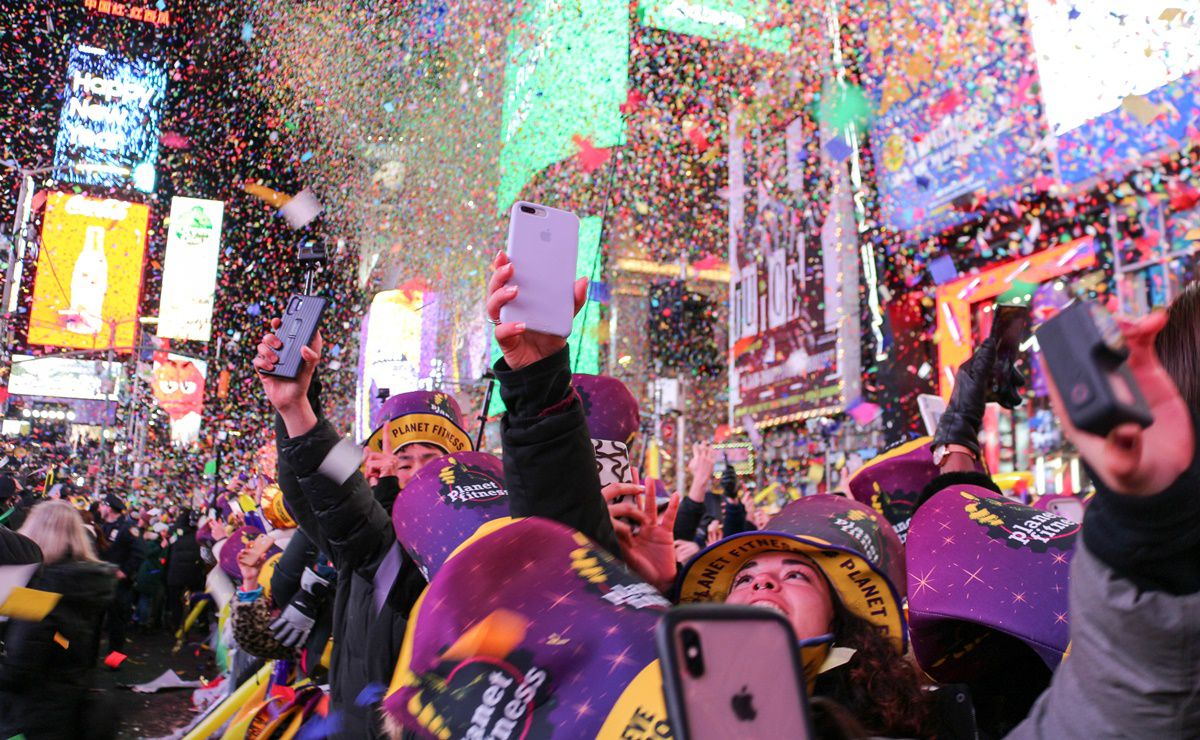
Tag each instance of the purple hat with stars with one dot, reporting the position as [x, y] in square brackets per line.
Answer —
[531, 630]
[613, 420]
[445, 503]
[892, 482]
[983, 573]
[419, 417]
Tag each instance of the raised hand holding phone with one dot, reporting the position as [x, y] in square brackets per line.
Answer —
[532, 295]
[289, 396]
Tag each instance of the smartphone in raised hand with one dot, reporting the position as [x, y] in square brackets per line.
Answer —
[1010, 328]
[299, 325]
[543, 246]
[732, 672]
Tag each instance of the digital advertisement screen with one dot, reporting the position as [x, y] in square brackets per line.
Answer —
[743, 21]
[89, 273]
[1119, 80]
[398, 347]
[957, 111]
[108, 130]
[65, 377]
[566, 75]
[189, 278]
[178, 386]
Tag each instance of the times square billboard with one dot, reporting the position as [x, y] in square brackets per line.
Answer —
[109, 126]
[89, 273]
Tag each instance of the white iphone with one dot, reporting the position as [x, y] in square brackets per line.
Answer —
[543, 245]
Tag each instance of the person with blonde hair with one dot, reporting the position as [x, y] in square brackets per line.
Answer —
[47, 671]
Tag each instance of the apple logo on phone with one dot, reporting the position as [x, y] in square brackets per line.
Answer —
[743, 706]
[546, 235]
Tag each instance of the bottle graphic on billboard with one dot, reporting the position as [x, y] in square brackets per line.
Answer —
[89, 283]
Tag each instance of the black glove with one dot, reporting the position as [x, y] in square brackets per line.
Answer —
[1008, 392]
[963, 419]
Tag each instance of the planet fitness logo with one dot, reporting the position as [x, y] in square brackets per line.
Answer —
[488, 698]
[616, 585]
[1019, 526]
[464, 484]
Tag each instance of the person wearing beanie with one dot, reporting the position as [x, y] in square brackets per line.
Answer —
[326, 492]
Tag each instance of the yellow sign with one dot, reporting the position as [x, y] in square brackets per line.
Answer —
[89, 273]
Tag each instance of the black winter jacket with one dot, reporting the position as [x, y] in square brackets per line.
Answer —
[47, 667]
[345, 521]
[185, 569]
[549, 461]
[124, 547]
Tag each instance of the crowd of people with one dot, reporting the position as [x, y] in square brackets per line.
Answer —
[420, 588]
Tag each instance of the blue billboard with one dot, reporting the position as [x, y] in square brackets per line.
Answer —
[958, 115]
[108, 130]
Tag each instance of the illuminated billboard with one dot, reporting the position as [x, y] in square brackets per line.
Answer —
[178, 386]
[1119, 79]
[565, 77]
[108, 130]
[398, 350]
[190, 269]
[64, 377]
[744, 21]
[957, 114]
[89, 273]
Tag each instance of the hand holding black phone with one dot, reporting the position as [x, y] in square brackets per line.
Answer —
[299, 325]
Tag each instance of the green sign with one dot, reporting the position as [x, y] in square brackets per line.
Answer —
[720, 20]
[566, 76]
[584, 343]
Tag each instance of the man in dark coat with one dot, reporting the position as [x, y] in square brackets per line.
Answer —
[124, 551]
[185, 569]
[327, 495]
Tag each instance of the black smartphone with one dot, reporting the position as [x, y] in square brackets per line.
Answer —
[300, 322]
[1010, 328]
[732, 671]
[1086, 355]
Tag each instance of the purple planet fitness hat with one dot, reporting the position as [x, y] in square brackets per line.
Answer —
[833, 533]
[980, 568]
[233, 546]
[445, 503]
[855, 526]
[532, 630]
[892, 482]
[613, 420]
[419, 417]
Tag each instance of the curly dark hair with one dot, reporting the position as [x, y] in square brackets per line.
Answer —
[880, 688]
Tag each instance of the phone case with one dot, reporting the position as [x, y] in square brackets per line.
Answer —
[543, 245]
[300, 322]
[752, 685]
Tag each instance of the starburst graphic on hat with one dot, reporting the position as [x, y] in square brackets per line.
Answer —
[925, 582]
[618, 660]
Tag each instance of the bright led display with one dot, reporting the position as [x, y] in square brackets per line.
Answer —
[189, 278]
[108, 130]
[89, 273]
